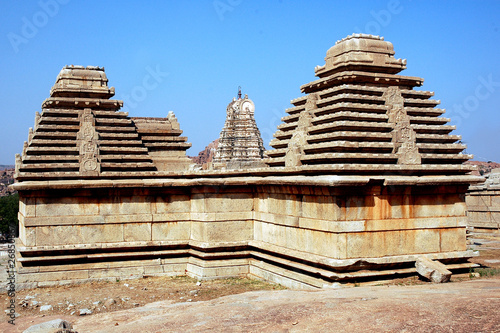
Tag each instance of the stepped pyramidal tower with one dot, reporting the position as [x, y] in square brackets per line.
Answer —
[361, 117]
[240, 143]
[81, 133]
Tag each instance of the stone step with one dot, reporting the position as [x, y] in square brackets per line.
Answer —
[131, 142]
[113, 121]
[56, 135]
[58, 127]
[50, 166]
[127, 165]
[433, 129]
[350, 157]
[53, 142]
[112, 135]
[428, 120]
[114, 149]
[52, 150]
[350, 126]
[115, 129]
[126, 157]
[168, 145]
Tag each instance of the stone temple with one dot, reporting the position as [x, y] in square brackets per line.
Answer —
[240, 144]
[365, 178]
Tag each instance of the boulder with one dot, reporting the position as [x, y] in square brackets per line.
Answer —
[49, 326]
[432, 270]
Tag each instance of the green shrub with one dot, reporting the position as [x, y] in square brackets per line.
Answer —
[9, 207]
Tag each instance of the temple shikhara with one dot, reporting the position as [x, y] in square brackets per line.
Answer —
[365, 180]
[240, 144]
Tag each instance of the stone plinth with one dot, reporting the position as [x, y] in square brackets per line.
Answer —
[308, 231]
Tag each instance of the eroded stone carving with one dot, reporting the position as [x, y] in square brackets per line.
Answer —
[298, 141]
[87, 139]
[403, 136]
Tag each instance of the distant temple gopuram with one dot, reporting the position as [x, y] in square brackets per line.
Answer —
[240, 144]
[364, 179]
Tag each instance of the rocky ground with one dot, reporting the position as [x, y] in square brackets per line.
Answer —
[6, 178]
[469, 303]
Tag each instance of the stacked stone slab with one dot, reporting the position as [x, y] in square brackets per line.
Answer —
[361, 117]
[165, 145]
[483, 204]
[81, 133]
[240, 144]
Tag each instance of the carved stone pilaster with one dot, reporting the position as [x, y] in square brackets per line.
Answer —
[25, 148]
[87, 140]
[173, 120]
[30, 135]
[295, 148]
[37, 120]
[403, 136]
[19, 162]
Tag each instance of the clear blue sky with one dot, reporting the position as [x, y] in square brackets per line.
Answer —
[202, 51]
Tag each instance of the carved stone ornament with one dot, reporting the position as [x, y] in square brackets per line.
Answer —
[403, 136]
[298, 140]
[87, 139]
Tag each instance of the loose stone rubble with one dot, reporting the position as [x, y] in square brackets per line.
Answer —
[432, 270]
[364, 179]
[483, 204]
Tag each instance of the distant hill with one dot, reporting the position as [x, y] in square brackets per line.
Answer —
[483, 168]
[207, 154]
[6, 178]
[4, 167]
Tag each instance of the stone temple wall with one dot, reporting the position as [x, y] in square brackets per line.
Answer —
[301, 236]
[483, 204]
[364, 178]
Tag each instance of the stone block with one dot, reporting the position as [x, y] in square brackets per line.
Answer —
[453, 239]
[231, 202]
[197, 203]
[232, 231]
[172, 203]
[284, 204]
[53, 276]
[137, 232]
[66, 206]
[55, 325]
[117, 272]
[86, 234]
[355, 208]
[320, 207]
[432, 270]
[171, 231]
[118, 205]
[27, 206]
[198, 231]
